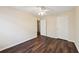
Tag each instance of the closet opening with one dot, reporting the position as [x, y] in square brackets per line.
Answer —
[38, 27]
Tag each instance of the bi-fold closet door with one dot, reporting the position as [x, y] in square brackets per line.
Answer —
[62, 26]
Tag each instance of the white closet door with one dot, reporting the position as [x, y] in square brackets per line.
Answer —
[63, 27]
[43, 27]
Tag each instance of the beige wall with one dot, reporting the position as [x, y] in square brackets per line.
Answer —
[16, 27]
[77, 27]
[52, 24]
[71, 18]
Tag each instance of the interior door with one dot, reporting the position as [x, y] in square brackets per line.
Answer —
[43, 27]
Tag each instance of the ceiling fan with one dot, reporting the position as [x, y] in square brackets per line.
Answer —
[42, 10]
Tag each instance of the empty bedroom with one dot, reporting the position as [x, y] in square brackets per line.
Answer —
[39, 29]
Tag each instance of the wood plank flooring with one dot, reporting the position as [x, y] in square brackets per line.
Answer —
[43, 44]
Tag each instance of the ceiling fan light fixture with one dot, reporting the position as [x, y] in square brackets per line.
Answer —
[42, 11]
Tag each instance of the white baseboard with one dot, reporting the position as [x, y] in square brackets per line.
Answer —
[77, 44]
[24, 40]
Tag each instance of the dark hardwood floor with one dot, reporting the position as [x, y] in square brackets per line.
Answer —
[43, 44]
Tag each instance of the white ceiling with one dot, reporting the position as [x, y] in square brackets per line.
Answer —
[51, 9]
